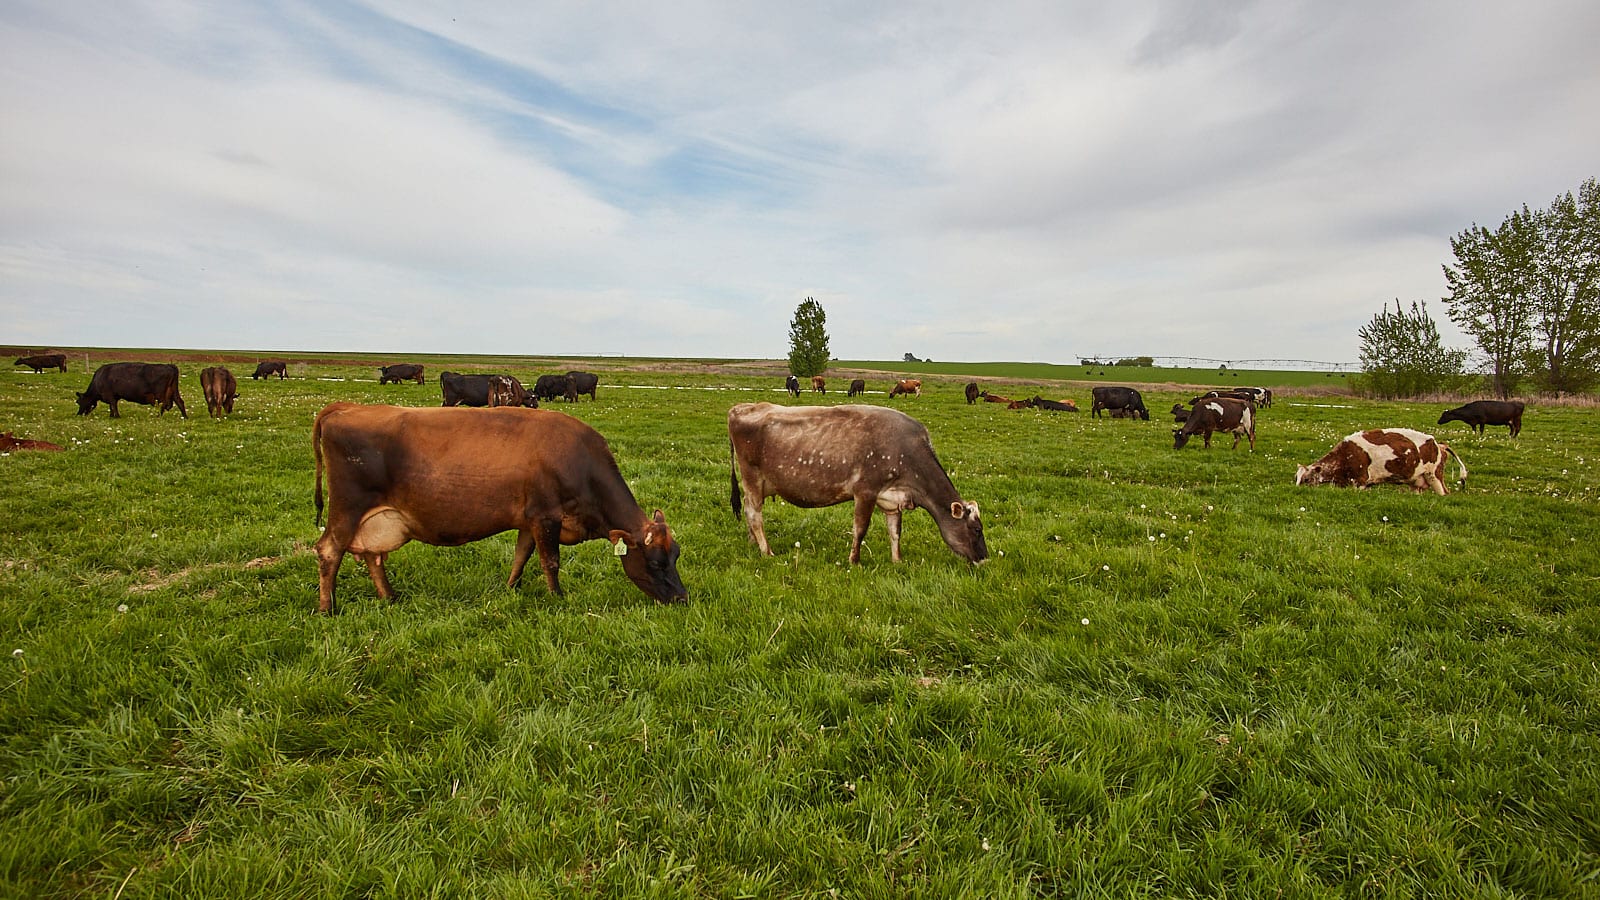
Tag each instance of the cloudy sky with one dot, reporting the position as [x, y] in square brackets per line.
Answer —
[965, 181]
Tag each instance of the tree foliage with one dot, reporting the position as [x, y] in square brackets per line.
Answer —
[1528, 292]
[1402, 355]
[808, 340]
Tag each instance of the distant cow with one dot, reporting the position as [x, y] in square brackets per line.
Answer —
[857, 388]
[1019, 404]
[815, 456]
[399, 372]
[1115, 398]
[792, 385]
[504, 390]
[911, 387]
[1180, 413]
[44, 361]
[473, 390]
[220, 389]
[451, 476]
[1039, 402]
[549, 387]
[9, 442]
[147, 383]
[1228, 393]
[1262, 396]
[1219, 414]
[270, 368]
[994, 398]
[1479, 413]
[1384, 455]
[584, 383]
[818, 384]
[972, 392]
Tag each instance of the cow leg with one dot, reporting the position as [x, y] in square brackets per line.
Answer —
[864, 507]
[380, 575]
[891, 517]
[753, 518]
[548, 538]
[330, 553]
[113, 404]
[1434, 482]
[527, 540]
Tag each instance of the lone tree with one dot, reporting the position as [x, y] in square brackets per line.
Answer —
[1402, 356]
[808, 340]
[1529, 293]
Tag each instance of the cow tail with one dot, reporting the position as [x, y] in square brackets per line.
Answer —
[316, 449]
[733, 474]
[1461, 465]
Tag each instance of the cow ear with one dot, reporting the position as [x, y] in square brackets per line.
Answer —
[659, 518]
[958, 510]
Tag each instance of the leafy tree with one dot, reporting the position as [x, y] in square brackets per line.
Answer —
[1528, 293]
[1566, 292]
[1402, 355]
[808, 340]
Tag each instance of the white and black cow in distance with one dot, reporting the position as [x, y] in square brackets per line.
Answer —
[1218, 414]
[815, 456]
[1381, 456]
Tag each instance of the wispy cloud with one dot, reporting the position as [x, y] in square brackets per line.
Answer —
[1017, 180]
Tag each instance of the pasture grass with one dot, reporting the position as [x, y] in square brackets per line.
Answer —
[1178, 675]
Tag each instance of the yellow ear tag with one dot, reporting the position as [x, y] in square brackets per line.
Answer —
[620, 548]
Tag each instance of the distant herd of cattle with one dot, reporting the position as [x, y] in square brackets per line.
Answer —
[447, 476]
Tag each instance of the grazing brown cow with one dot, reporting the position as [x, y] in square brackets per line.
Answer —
[816, 456]
[1479, 413]
[270, 368]
[1219, 414]
[44, 361]
[818, 384]
[400, 372]
[447, 476]
[504, 390]
[1384, 455]
[220, 389]
[857, 388]
[911, 387]
[971, 392]
[8, 443]
[148, 383]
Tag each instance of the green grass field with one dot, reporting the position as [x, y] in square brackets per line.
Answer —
[1178, 674]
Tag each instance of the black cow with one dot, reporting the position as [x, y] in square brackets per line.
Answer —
[473, 390]
[857, 387]
[270, 368]
[1039, 402]
[972, 392]
[1219, 414]
[400, 372]
[1114, 398]
[549, 387]
[148, 383]
[1180, 413]
[44, 361]
[1479, 413]
[584, 383]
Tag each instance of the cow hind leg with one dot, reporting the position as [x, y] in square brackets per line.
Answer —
[548, 539]
[330, 553]
[864, 507]
[527, 541]
[891, 518]
[753, 519]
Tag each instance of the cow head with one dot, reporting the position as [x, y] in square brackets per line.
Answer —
[962, 530]
[1312, 474]
[1179, 438]
[1450, 415]
[86, 403]
[651, 560]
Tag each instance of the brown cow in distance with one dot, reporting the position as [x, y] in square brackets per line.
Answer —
[44, 361]
[814, 456]
[220, 389]
[1384, 455]
[449, 476]
[995, 398]
[819, 384]
[9, 442]
[148, 383]
[910, 387]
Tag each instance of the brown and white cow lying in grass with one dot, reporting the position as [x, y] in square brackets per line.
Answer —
[1384, 455]
[814, 456]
